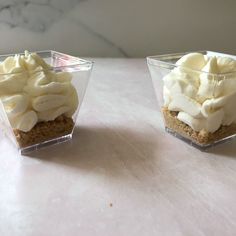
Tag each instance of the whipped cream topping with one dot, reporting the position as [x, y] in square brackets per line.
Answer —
[31, 92]
[203, 90]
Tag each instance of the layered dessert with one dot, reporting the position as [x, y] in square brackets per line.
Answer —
[39, 102]
[200, 96]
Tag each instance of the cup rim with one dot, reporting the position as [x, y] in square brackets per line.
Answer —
[153, 60]
[77, 61]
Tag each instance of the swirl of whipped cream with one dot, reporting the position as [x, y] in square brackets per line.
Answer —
[31, 92]
[200, 89]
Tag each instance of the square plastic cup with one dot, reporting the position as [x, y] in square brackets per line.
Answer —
[80, 71]
[160, 67]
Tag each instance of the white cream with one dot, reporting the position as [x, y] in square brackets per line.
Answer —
[31, 92]
[198, 88]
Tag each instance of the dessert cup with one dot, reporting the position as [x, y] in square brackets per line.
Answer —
[48, 131]
[160, 68]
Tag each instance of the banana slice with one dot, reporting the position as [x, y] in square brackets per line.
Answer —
[26, 121]
[53, 114]
[183, 103]
[16, 104]
[46, 102]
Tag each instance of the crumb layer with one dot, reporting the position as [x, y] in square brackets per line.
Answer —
[45, 131]
[203, 137]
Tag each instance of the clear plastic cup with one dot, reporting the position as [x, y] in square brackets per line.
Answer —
[161, 66]
[60, 129]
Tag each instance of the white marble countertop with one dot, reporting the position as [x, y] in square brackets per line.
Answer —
[121, 174]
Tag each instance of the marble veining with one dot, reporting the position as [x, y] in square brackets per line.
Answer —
[39, 16]
[121, 28]
[101, 37]
[34, 15]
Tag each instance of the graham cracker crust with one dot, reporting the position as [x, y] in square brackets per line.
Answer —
[203, 137]
[45, 131]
